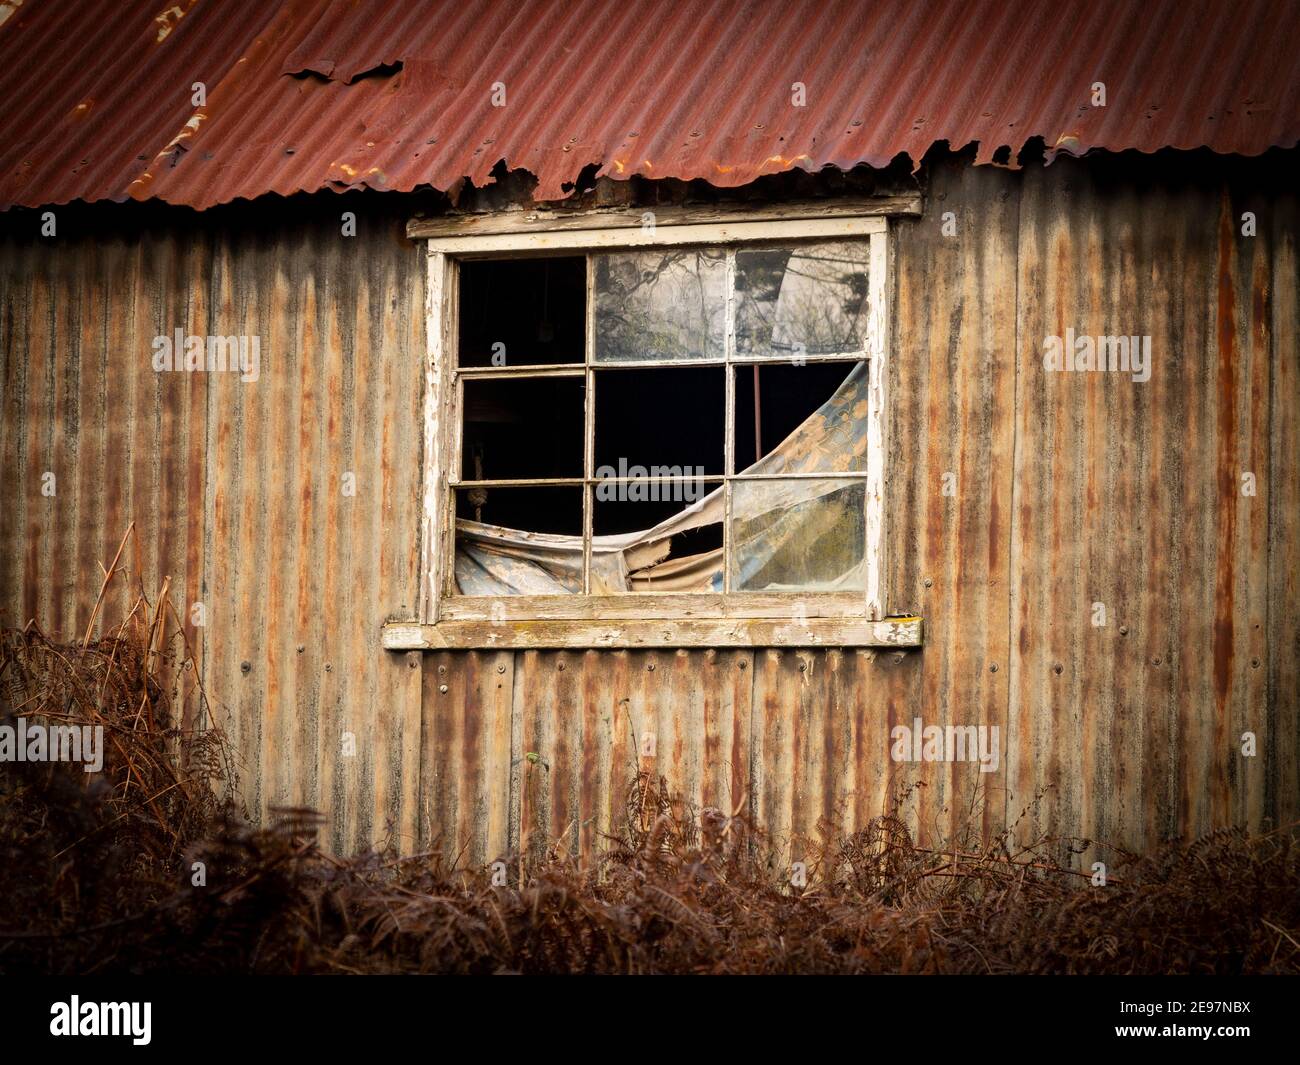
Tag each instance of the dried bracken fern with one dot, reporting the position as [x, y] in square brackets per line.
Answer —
[96, 875]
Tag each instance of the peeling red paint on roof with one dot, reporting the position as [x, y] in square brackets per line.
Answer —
[304, 95]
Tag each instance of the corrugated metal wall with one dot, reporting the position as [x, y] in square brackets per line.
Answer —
[237, 489]
[1066, 491]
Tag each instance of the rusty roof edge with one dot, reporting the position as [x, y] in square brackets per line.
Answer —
[336, 187]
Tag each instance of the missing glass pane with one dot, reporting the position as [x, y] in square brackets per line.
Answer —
[793, 302]
[548, 509]
[525, 427]
[660, 305]
[809, 419]
[522, 312]
[633, 506]
[669, 418]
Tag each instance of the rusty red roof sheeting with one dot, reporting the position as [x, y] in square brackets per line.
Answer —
[304, 95]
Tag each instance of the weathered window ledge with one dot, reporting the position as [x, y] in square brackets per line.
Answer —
[580, 634]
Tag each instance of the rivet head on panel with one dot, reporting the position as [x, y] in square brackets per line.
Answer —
[1058, 669]
[501, 669]
[742, 663]
[650, 666]
[928, 582]
[328, 667]
[413, 659]
[1254, 663]
[442, 670]
[442, 688]
[301, 648]
[560, 667]
[803, 667]
[993, 668]
[1123, 630]
[1155, 661]
[244, 667]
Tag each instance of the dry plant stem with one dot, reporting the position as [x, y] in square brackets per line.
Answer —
[108, 576]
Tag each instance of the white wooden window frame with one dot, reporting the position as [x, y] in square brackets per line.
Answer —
[728, 619]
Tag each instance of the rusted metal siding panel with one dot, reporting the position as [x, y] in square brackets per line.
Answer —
[1281, 713]
[950, 471]
[1069, 490]
[661, 89]
[1130, 495]
[236, 488]
[81, 402]
[466, 749]
[314, 474]
[748, 733]
[587, 722]
[821, 728]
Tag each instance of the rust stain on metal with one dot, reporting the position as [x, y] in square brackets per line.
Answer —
[167, 20]
[1227, 473]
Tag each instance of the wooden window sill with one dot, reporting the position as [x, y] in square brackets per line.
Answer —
[582, 634]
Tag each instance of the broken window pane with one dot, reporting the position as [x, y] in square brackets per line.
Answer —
[804, 535]
[809, 419]
[797, 301]
[668, 305]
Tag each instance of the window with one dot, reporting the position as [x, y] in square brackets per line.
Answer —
[670, 431]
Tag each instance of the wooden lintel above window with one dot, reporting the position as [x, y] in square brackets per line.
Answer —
[542, 220]
[899, 632]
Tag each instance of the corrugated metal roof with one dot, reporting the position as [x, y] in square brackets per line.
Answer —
[312, 94]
